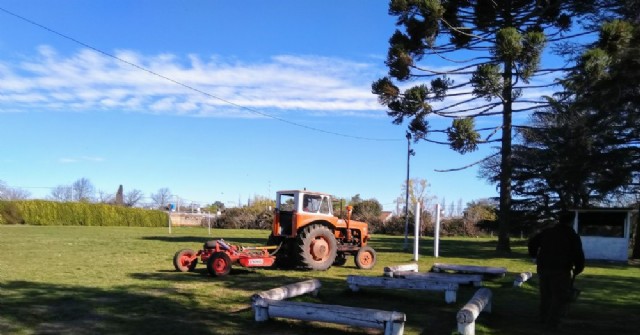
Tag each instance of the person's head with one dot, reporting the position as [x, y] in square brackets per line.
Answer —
[566, 218]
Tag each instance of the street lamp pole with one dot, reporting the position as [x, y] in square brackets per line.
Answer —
[410, 153]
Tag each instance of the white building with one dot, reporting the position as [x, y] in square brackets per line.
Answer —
[605, 232]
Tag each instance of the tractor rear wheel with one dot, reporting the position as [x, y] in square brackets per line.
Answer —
[219, 264]
[365, 258]
[184, 260]
[317, 247]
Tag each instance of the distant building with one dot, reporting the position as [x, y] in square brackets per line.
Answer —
[386, 216]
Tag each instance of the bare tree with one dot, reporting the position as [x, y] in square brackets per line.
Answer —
[105, 197]
[132, 197]
[161, 197]
[10, 193]
[418, 193]
[83, 190]
[61, 193]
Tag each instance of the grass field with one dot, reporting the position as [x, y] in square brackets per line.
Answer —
[108, 280]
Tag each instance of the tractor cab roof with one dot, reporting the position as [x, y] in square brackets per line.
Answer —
[304, 191]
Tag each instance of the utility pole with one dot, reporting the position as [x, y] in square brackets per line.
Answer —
[410, 153]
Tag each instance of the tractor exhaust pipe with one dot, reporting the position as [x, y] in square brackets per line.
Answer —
[349, 210]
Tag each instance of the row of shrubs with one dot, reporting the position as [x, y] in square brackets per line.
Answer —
[249, 218]
[51, 213]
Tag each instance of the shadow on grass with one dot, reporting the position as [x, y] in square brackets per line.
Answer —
[606, 305]
[454, 248]
[250, 281]
[36, 308]
[424, 309]
[611, 265]
[56, 309]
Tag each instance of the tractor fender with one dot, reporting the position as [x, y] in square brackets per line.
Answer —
[325, 223]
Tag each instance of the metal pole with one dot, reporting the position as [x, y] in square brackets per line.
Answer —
[436, 233]
[406, 201]
[416, 240]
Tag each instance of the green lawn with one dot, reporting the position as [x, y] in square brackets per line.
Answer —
[108, 280]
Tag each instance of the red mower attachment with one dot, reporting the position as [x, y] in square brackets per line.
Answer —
[219, 256]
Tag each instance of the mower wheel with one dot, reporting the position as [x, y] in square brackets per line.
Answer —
[184, 260]
[365, 258]
[219, 264]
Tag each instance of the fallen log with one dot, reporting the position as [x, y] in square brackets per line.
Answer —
[289, 291]
[389, 271]
[521, 278]
[466, 317]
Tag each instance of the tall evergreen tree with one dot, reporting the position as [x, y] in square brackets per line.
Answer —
[495, 47]
[120, 196]
[563, 162]
[607, 83]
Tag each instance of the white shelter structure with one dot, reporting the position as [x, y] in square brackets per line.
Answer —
[605, 232]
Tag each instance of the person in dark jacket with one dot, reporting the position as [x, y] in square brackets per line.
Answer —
[559, 256]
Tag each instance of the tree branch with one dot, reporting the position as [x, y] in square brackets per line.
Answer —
[468, 166]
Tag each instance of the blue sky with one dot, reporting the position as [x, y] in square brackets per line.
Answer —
[227, 100]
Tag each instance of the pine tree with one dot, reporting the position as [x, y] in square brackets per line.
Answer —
[495, 47]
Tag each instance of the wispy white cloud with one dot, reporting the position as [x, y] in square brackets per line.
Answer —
[168, 84]
[72, 160]
[207, 87]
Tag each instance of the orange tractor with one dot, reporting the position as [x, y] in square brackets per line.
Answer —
[309, 235]
[305, 233]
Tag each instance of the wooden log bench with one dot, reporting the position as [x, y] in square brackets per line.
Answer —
[271, 304]
[466, 317]
[450, 289]
[458, 278]
[410, 271]
[473, 269]
[521, 278]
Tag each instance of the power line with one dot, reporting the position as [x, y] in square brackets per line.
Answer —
[139, 67]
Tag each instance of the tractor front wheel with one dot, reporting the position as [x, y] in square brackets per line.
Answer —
[317, 247]
[184, 260]
[219, 264]
[366, 258]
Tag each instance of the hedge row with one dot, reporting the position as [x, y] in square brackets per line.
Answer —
[51, 213]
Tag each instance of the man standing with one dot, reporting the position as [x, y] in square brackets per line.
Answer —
[558, 253]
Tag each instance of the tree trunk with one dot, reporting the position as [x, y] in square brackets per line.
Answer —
[505, 163]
